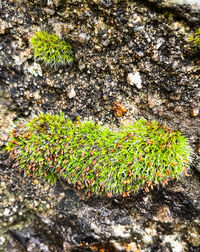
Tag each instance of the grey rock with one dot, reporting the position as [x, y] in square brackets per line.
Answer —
[49, 11]
[71, 93]
[4, 25]
[83, 38]
[189, 9]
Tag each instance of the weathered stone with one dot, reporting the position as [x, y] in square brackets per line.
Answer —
[189, 9]
[3, 26]
[83, 38]
[164, 215]
[35, 69]
[49, 11]
[154, 100]
[6, 123]
[62, 28]
[71, 93]
[195, 111]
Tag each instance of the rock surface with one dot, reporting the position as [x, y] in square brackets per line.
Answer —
[188, 9]
[38, 217]
[111, 39]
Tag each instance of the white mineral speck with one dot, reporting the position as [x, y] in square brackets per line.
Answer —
[175, 243]
[6, 212]
[147, 239]
[35, 69]
[15, 209]
[121, 231]
[135, 79]
[2, 240]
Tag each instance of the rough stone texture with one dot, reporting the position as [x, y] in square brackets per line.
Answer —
[111, 39]
[188, 9]
[38, 217]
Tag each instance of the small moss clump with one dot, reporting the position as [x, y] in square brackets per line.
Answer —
[96, 158]
[50, 49]
[196, 38]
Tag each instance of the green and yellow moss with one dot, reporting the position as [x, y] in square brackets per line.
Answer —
[96, 158]
[50, 49]
[196, 38]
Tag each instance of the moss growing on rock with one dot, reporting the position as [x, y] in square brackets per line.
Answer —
[97, 158]
[196, 38]
[50, 49]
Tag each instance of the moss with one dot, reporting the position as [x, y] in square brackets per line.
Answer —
[97, 158]
[196, 38]
[50, 49]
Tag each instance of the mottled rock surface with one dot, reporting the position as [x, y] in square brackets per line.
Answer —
[136, 53]
[188, 9]
[38, 217]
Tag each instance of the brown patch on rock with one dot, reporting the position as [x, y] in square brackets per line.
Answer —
[164, 215]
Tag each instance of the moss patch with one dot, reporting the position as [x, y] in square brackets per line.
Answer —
[97, 158]
[50, 49]
[196, 38]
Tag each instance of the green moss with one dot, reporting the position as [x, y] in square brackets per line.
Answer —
[97, 158]
[51, 49]
[196, 38]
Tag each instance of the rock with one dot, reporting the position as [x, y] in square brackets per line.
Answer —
[22, 57]
[109, 223]
[174, 241]
[198, 166]
[57, 3]
[195, 112]
[154, 100]
[124, 247]
[71, 93]
[62, 28]
[83, 38]
[4, 25]
[49, 11]
[189, 9]
[35, 69]
[6, 212]
[175, 97]
[6, 123]
[170, 3]
[135, 79]
[164, 215]
[81, 65]
[195, 239]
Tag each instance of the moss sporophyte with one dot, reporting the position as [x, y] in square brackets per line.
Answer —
[96, 158]
[50, 49]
